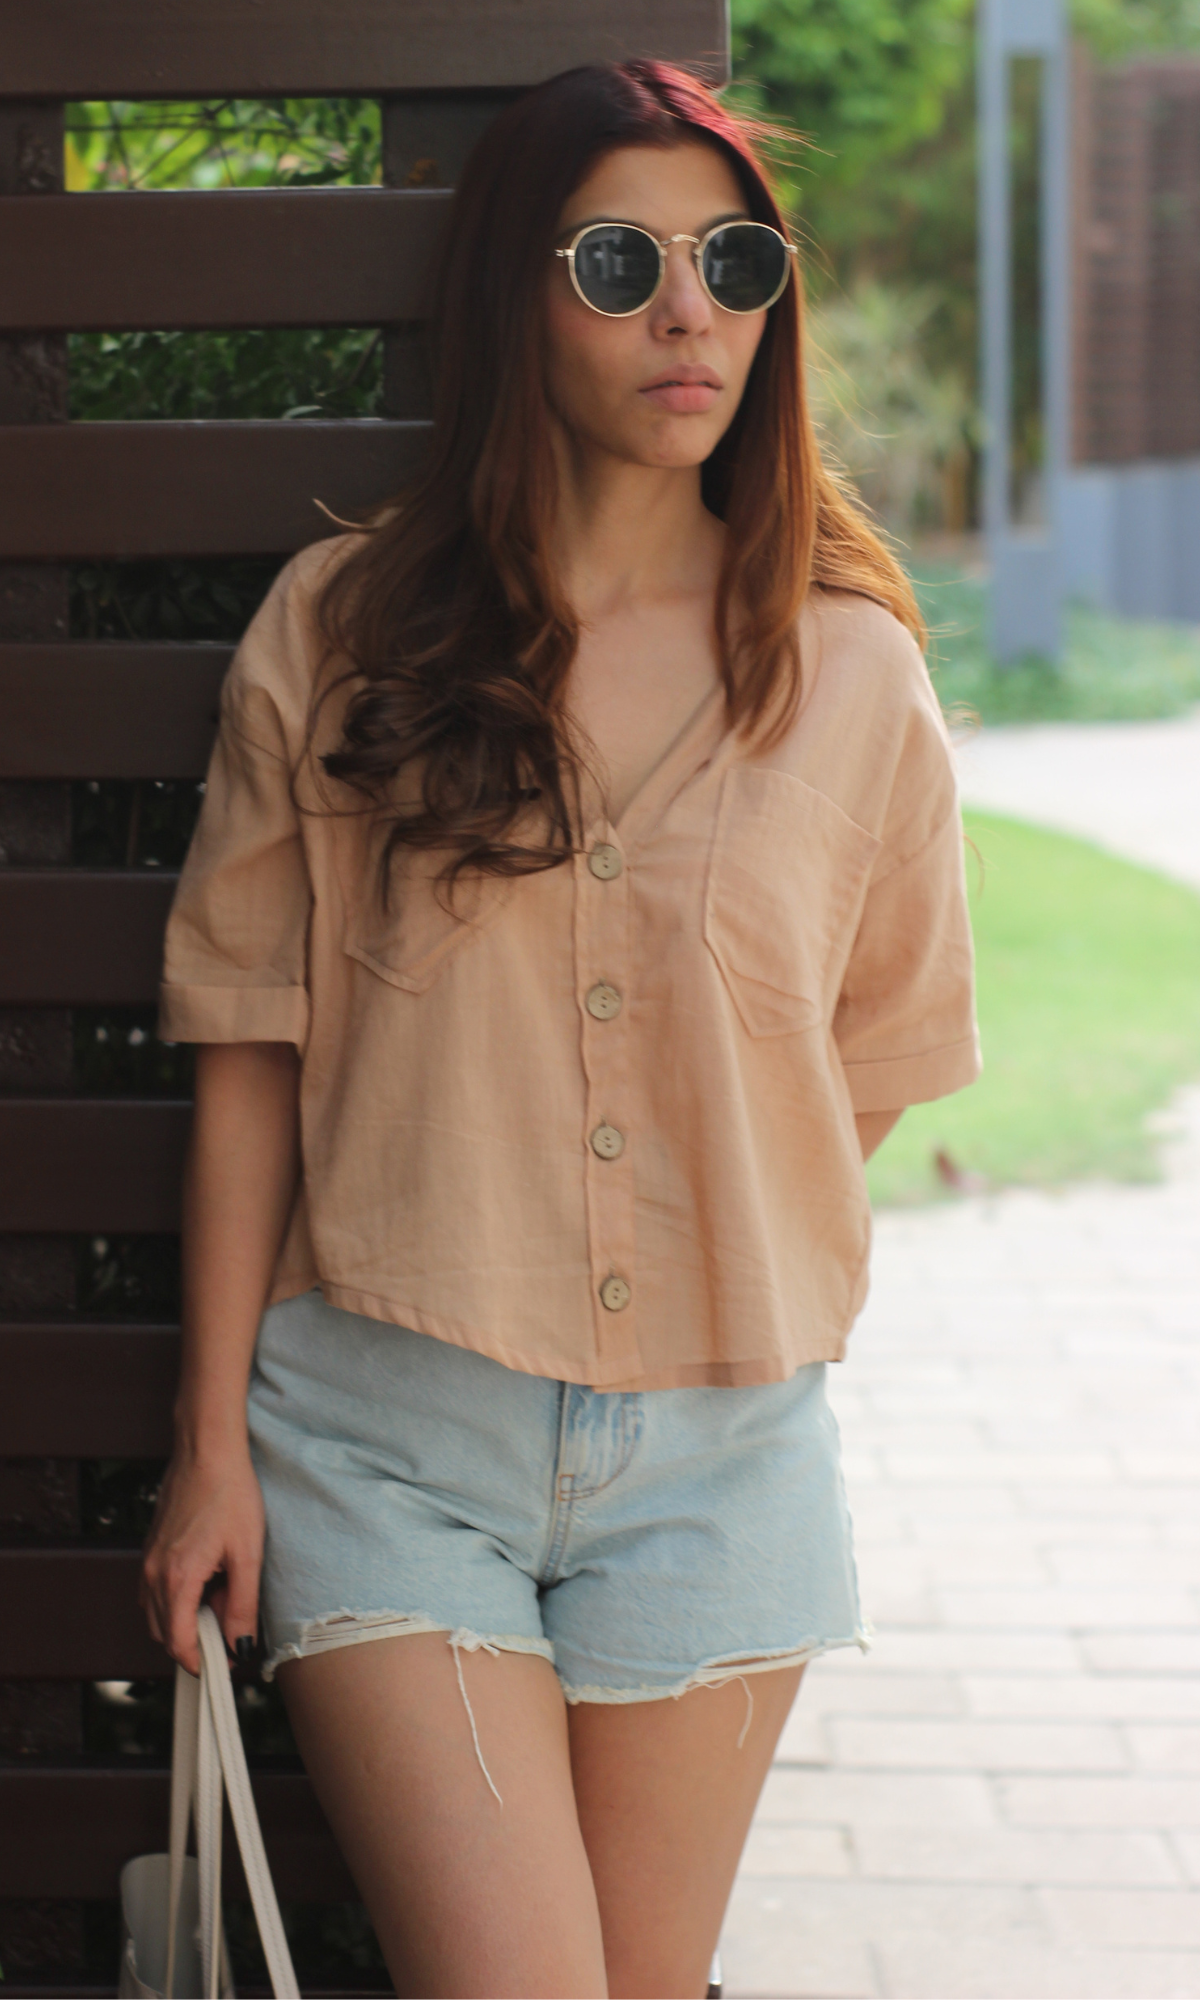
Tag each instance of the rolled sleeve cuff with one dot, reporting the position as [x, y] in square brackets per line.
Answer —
[897, 1081]
[233, 1014]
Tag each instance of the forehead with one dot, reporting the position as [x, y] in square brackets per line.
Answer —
[664, 188]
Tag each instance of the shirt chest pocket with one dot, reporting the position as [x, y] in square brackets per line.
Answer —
[410, 943]
[786, 881]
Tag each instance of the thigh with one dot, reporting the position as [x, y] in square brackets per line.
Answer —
[665, 1797]
[468, 1895]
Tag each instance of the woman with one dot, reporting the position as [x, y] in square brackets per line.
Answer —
[577, 899]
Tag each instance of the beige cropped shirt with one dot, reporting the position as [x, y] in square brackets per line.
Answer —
[596, 1123]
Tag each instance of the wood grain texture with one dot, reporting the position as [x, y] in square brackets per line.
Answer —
[68, 1833]
[250, 257]
[297, 48]
[108, 709]
[87, 1390]
[82, 937]
[74, 491]
[73, 1614]
[74, 1164]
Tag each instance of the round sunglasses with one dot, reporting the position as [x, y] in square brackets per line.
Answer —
[618, 268]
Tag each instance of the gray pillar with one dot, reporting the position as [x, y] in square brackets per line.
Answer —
[1026, 561]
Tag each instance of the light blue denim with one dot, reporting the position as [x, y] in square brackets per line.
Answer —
[643, 1543]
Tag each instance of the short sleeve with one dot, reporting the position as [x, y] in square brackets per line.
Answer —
[235, 961]
[905, 1020]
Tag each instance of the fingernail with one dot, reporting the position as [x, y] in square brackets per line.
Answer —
[244, 1648]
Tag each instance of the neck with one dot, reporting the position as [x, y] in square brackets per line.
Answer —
[628, 535]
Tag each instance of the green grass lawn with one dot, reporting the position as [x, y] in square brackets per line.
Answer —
[1089, 1009]
[1112, 669]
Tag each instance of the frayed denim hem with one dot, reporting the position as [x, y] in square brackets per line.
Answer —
[729, 1667]
[352, 1628]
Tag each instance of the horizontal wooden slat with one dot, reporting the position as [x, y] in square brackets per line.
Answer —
[61, 1986]
[262, 257]
[105, 709]
[87, 1391]
[84, 937]
[73, 1614]
[78, 1164]
[68, 1833]
[294, 48]
[201, 489]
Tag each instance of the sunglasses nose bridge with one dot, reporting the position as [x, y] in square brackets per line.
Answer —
[693, 260]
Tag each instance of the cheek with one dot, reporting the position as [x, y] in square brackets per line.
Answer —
[742, 342]
[587, 365]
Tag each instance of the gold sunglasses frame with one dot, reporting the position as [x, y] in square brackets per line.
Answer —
[700, 245]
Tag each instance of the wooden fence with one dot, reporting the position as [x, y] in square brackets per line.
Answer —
[82, 1392]
[1136, 344]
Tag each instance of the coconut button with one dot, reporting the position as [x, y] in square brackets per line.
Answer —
[608, 1142]
[603, 1001]
[605, 861]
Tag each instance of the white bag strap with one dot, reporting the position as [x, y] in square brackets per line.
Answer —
[232, 1762]
[183, 1784]
[207, 1804]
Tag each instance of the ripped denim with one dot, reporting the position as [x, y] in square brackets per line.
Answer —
[644, 1544]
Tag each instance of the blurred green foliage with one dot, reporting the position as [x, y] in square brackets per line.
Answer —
[228, 142]
[902, 430]
[883, 92]
[201, 598]
[127, 1277]
[116, 1053]
[1087, 972]
[254, 372]
[1111, 670]
[864, 80]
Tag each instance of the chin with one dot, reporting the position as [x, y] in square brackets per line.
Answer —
[679, 447]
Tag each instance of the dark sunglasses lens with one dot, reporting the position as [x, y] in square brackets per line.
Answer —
[744, 266]
[616, 268]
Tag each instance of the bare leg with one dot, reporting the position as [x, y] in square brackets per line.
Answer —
[468, 1897]
[665, 1799]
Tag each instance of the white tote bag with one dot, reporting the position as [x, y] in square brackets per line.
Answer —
[174, 1940]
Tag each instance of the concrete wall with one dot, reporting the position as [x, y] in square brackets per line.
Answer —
[1130, 537]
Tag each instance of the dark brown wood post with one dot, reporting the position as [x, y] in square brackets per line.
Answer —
[39, 1497]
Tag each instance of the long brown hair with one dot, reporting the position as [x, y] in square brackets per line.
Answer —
[449, 611]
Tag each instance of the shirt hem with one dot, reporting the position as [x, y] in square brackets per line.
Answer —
[614, 1378]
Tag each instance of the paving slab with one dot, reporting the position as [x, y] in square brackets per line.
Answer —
[1025, 1481]
[1128, 786]
[1159, 1917]
[926, 1966]
[1019, 1854]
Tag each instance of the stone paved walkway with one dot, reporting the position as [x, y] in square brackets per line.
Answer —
[1133, 787]
[1003, 1798]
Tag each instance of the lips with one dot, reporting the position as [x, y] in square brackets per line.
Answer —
[686, 389]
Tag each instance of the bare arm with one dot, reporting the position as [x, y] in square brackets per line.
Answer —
[873, 1128]
[239, 1183]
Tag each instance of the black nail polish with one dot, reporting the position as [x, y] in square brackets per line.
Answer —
[244, 1648]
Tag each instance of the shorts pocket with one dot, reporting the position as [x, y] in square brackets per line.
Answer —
[409, 943]
[787, 877]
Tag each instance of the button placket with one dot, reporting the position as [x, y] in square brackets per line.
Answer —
[604, 971]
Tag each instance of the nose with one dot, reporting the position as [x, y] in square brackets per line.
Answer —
[682, 306]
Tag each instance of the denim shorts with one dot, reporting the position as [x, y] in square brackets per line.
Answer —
[642, 1543]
